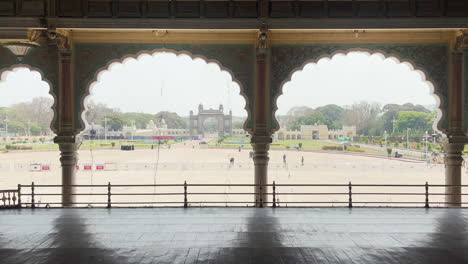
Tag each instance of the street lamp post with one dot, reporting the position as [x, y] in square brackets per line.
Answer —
[385, 134]
[407, 138]
[105, 128]
[6, 120]
[29, 128]
[425, 143]
[133, 126]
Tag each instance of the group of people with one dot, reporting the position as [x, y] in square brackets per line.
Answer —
[251, 154]
[284, 160]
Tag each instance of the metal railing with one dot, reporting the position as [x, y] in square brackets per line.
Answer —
[10, 198]
[189, 195]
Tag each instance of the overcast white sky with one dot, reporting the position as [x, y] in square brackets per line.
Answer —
[165, 81]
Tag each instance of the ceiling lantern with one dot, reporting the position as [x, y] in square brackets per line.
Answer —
[20, 49]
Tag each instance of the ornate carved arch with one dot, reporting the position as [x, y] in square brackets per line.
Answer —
[51, 89]
[438, 87]
[91, 58]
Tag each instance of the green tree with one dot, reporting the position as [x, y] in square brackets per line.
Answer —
[333, 115]
[17, 127]
[114, 122]
[310, 119]
[361, 115]
[418, 122]
[238, 124]
[141, 119]
[173, 120]
[36, 129]
[391, 112]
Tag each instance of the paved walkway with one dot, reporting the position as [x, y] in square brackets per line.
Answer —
[234, 235]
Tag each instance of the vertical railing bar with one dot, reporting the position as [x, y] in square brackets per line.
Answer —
[109, 204]
[261, 196]
[33, 205]
[19, 195]
[274, 194]
[350, 200]
[3, 199]
[9, 199]
[427, 195]
[14, 198]
[185, 195]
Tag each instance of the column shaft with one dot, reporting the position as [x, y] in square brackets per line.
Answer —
[261, 136]
[260, 158]
[456, 138]
[68, 160]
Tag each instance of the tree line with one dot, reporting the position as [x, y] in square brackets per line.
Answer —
[370, 119]
[117, 119]
[28, 118]
[34, 117]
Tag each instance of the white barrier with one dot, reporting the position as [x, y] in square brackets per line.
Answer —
[213, 166]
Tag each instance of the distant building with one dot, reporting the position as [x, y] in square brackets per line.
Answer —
[152, 129]
[315, 132]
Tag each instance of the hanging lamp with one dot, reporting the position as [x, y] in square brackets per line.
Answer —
[20, 49]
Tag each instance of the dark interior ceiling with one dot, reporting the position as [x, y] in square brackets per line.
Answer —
[231, 14]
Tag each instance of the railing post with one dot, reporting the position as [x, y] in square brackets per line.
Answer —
[19, 195]
[33, 205]
[9, 199]
[109, 204]
[427, 196]
[261, 195]
[274, 194]
[185, 195]
[350, 201]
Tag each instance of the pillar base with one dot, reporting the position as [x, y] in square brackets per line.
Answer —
[453, 170]
[68, 146]
[261, 145]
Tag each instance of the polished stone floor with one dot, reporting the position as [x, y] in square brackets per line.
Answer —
[234, 235]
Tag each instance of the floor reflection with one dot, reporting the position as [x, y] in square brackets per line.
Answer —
[234, 235]
[448, 243]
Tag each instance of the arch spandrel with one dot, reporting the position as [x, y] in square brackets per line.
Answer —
[431, 59]
[466, 90]
[89, 58]
[43, 59]
[6, 58]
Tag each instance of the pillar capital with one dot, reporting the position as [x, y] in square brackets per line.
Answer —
[51, 36]
[263, 40]
[461, 41]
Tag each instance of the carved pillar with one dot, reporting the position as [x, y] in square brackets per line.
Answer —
[68, 159]
[456, 138]
[453, 170]
[261, 136]
[66, 139]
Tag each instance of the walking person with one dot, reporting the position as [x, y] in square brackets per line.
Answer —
[302, 161]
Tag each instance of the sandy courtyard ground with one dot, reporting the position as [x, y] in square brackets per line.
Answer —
[202, 166]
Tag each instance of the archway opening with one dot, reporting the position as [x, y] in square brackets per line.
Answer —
[26, 138]
[364, 117]
[175, 112]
